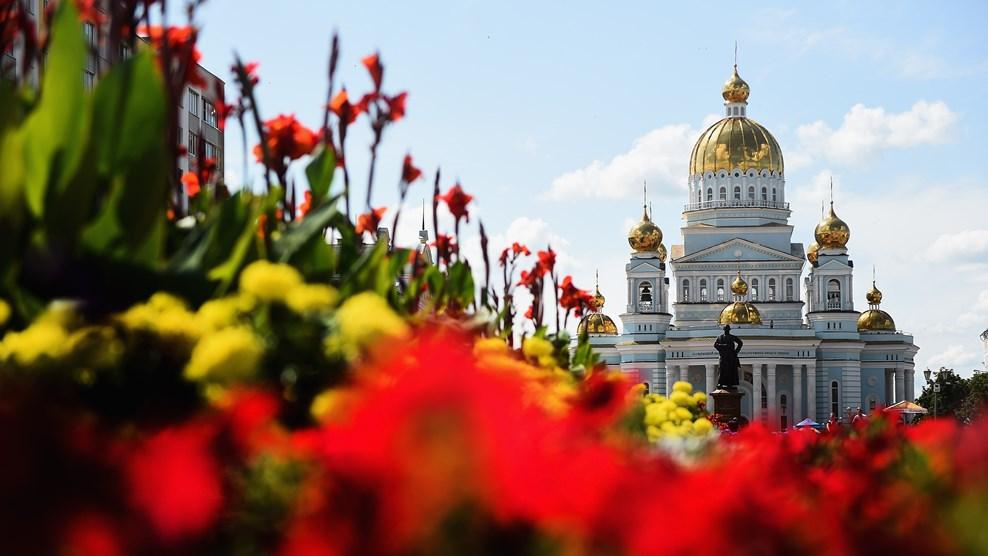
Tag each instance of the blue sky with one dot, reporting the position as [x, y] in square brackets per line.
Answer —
[553, 113]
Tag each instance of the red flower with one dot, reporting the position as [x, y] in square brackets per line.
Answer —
[223, 110]
[174, 480]
[547, 260]
[340, 105]
[530, 311]
[92, 534]
[250, 68]
[396, 106]
[181, 42]
[574, 299]
[528, 278]
[368, 221]
[445, 247]
[191, 182]
[409, 173]
[457, 202]
[519, 249]
[88, 11]
[306, 205]
[373, 65]
[287, 138]
[516, 250]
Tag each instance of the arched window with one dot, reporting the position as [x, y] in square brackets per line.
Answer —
[720, 289]
[699, 195]
[751, 193]
[833, 294]
[723, 193]
[703, 290]
[737, 193]
[774, 195]
[790, 293]
[834, 399]
[771, 289]
[710, 193]
[754, 289]
[685, 294]
[764, 194]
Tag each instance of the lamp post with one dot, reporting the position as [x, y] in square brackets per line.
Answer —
[936, 387]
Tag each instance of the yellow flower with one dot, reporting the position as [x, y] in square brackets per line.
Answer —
[682, 386]
[536, 348]
[165, 316]
[683, 414]
[699, 397]
[330, 404]
[485, 347]
[363, 319]
[655, 415]
[96, 347]
[703, 426]
[223, 312]
[653, 433]
[42, 340]
[224, 356]
[4, 312]
[311, 298]
[681, 399]
[269, 281]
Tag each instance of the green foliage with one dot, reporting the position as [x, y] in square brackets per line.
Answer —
[953, 391]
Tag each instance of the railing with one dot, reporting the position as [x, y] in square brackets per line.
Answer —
[735, 203]
[831, 304]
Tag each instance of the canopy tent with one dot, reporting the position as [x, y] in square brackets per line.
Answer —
[807, 423]
[907, 407]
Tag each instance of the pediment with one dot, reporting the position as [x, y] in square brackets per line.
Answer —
[727, 252]
[643, 265]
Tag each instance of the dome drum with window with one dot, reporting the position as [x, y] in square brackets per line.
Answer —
[741, 311]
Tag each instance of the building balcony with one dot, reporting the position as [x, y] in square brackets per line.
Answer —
[735, 203]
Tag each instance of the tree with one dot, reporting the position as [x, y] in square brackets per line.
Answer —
[953, 392]
[977, 397]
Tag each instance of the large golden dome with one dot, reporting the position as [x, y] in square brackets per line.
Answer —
[740, 312]
[812, 251]
[645, 235]
[832, 232]
[736, 142]
[875, 319]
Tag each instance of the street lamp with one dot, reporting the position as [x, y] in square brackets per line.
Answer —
[936, 387]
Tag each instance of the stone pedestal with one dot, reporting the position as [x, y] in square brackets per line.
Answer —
[727, 404]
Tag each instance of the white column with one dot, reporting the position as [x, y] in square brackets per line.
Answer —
[773, 406]
[811, 391]
[900, 393]
[756, 392]
[711, 378]
[797, 394]
[671, 376]
[910, 383]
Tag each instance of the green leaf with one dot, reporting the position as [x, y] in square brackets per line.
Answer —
[300, 232]
[320, 172]
[55, 132]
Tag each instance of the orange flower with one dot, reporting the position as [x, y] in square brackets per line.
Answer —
[457, 202]
[340, 105]
[287, 138]
[409, 173]
[181, 42]
[88, 11]
[368, 221]
[191, 182]
[373, 65]
[305, 206]
[396, 106]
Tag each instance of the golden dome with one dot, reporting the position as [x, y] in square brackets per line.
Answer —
[875, 319]
[598, 299]
[597, 323]
[662, 253]
[874, 295]
[740, 312]
[645, 235]
[832, 232]
[811, 252]
[735, 89]
[736, 142]
[739, 286]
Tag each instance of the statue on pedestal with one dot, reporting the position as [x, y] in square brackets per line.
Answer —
[728, 346]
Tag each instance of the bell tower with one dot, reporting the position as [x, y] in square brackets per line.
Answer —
[647, 314]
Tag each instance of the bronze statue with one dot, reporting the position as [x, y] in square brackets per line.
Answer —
[728, 346]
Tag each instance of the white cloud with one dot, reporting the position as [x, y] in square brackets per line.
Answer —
[965, 246]
[957, 357]
[866, 132]
[656, 157]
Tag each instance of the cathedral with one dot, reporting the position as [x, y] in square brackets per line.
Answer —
[807, 351]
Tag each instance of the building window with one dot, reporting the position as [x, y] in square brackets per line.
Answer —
[89, 79]
[754, 289]
[774, 195]
[720, 289]
[90, 31]
[790, 293]
[771, 289]
[208, 113]
[645, 297]
[125, 52]
[723, 193]
[699, 195]
[764, 194]
[193, 146]
[751, 193]
[737, 193]
[686, 290]
[834, 399]
[833, 294]
[210, 151]
[710, 193]
[193, 102]
[703, 290]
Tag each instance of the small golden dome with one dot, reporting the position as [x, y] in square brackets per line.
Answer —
[811, 252]
[832, 232]
[874, 295]
[740, 312]
[597, 323]
[875, 319]
[736, 142]
[598, 299]
[735, 89]
[645, 235]
[739, 286]
[662, 253]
